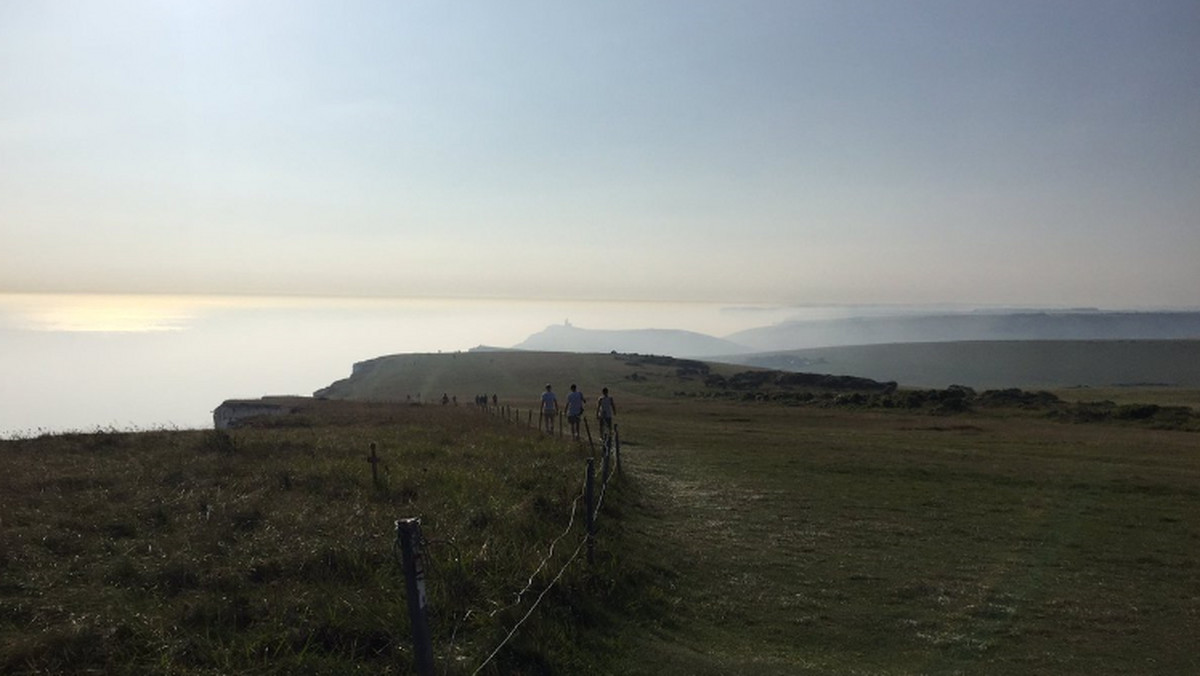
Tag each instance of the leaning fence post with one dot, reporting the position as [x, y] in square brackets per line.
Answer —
[374, 460]
[617, 434]
[604, 469]
[588, 427]
[589, 500]
[408, 531]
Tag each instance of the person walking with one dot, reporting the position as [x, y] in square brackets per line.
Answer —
[549, 408]
[575, 402]
[605, 410]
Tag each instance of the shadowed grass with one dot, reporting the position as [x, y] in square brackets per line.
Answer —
[747, 537]
[270, 550]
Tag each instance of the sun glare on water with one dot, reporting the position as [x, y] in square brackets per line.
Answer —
[114, 314]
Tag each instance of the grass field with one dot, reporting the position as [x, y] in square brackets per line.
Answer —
[744, 536]
[810, 541]
[1160, 396]
[271, 550]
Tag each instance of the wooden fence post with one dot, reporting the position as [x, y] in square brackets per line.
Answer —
[590, 501]
[588, 427]
[374, 460]
[409, 533]
[617, 434]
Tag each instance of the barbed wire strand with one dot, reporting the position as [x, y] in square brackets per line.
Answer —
[538, 600]
[600, 498]
[529, 583]
[549, 554]
[608, 451]
[532, 608]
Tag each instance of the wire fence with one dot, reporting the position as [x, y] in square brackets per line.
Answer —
[587, 495]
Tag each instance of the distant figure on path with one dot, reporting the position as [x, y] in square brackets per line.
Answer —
[605, 410]
[549, 408]
[445, 399]
[575, 402]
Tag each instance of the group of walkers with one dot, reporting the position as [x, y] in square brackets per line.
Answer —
[605, 410]
[482, 400]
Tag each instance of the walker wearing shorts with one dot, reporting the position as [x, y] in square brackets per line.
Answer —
[574, 406]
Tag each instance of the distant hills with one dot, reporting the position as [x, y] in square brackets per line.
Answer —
[677, 343]
[518, 377]
[1074, 325]
[1001, 364]
[876, 330]
[1019, 348]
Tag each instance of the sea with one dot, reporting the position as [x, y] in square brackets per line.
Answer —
[90, 362]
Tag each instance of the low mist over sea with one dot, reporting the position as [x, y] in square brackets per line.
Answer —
[82, 362]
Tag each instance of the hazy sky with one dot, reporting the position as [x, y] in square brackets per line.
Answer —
[1010, 151]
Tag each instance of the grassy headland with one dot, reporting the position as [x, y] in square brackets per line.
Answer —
[758, 528]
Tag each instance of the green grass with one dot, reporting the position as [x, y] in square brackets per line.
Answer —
[271, 551]
[750, 537]
[1159, 396]
[518, 378]
[820, 541]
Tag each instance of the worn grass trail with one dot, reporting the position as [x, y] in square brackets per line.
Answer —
[810, 541]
